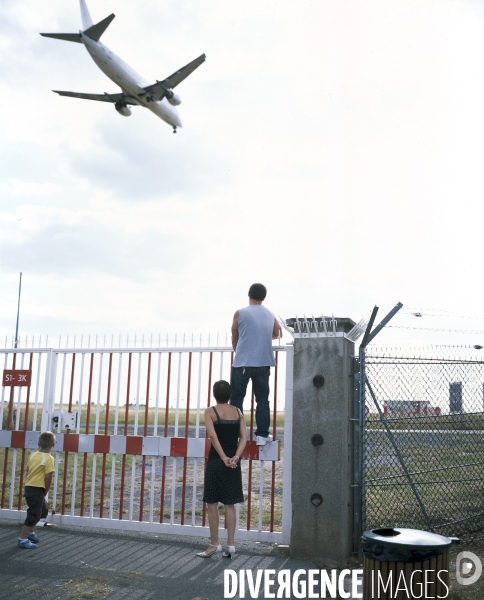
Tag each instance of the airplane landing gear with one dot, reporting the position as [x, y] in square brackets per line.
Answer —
[174, 129]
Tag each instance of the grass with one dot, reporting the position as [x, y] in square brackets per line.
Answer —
[84, 588]
[111, 420]
[465, 421]
[447, 471]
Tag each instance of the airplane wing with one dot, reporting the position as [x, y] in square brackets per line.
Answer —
[115, 98]
[160, 88]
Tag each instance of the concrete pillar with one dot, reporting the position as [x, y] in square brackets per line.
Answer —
[322, 459]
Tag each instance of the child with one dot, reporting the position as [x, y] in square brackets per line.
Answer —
[39, 478]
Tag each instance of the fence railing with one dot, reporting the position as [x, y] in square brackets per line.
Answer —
[131, 439]
[108, 341]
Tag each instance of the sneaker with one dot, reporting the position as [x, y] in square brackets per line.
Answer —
[262, 441]
[33, 538]
[25, 544]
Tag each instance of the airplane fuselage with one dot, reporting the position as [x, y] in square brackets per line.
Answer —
[131, 83]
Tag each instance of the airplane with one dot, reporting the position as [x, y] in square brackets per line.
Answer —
[158, 97]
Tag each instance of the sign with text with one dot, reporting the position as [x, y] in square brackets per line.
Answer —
[15, 377]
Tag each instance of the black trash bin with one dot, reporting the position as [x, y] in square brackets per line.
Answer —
[405, 563]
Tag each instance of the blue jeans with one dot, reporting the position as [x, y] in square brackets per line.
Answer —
[260, 382]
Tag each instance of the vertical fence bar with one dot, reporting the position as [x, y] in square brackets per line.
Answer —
[261, 491]
[96, 432]
[66, 454]
[88, 418]
[274, 435]
[59, 429]
[115, 432]
[197, 435]
[209, 396]
[187, 424]
[78, 429]
[287, 470]
[167, 416]
[126, 418]
[145, 433]
[157, 397]
[106, 432]
[36, 400]
[174, 459]
[249, 476]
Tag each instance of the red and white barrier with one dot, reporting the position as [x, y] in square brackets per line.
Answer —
[133, 445]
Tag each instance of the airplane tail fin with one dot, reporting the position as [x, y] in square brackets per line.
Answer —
[86, 17]
[93, 31]
[88, 27]
[96, 31]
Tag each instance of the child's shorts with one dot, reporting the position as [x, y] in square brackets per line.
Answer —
[37, 506]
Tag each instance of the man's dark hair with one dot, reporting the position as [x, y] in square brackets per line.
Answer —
[221, 391]
[257, 291]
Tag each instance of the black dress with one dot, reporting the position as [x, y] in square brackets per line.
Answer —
[223, 484]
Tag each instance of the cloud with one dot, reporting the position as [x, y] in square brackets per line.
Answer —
[28, 188]
[68, 249]
[145, 160]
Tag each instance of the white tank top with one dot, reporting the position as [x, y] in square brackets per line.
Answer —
[254, 346]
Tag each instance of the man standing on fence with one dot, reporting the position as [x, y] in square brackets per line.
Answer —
[253, 329]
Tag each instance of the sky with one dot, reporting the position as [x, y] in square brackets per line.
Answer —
[330, 149]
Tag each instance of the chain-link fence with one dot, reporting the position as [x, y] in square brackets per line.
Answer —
[423, 441]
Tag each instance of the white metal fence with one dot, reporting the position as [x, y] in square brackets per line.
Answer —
[131, 442]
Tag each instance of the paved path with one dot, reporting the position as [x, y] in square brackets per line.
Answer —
[72, 563]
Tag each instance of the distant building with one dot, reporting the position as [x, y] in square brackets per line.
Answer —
[409, 408]
[455, 397]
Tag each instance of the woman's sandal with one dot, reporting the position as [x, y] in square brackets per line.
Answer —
[229, 552]
[205, 554]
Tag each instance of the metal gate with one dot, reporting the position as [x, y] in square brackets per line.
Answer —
[131, 443]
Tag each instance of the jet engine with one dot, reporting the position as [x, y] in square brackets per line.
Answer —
[173, 99]
[122, 109]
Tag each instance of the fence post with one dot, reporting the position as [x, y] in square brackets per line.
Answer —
[322, 461]
[49, 391]
[287, 473]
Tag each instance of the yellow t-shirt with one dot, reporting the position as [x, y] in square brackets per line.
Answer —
[40, 464]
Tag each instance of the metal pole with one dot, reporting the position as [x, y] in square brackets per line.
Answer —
[363, 453]
[18, 310]
[357, 446]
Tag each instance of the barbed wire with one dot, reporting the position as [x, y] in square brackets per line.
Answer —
[436, 329]
[421, 312]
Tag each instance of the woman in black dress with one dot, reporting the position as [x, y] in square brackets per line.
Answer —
[223, 477]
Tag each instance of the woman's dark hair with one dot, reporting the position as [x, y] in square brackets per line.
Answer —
[221, 391]
[257, 291]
